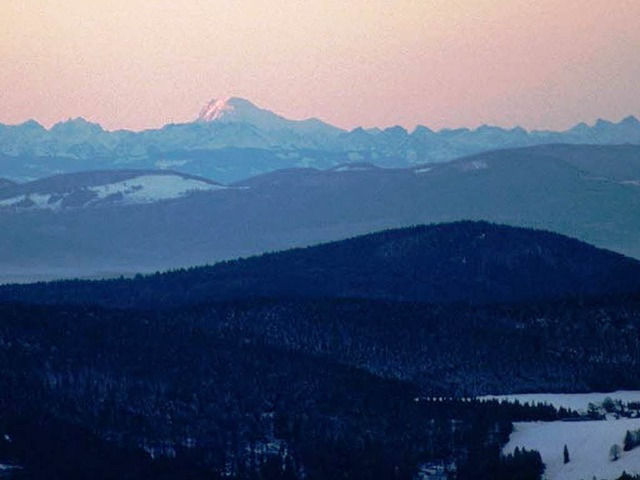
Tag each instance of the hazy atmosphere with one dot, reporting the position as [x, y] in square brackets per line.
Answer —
[320, 240]
[138, 64]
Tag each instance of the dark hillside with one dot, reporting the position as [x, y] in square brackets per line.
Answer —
[463, 262]
[200, 398]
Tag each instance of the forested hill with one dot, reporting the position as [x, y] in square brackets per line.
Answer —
[462, 262]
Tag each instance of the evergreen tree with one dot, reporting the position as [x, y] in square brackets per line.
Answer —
[631, 440]
[614, 452]
[565, 454]
[628, 441]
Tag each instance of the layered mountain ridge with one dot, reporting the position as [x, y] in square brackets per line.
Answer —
[588, 192]
[234, 139]
[344, 368]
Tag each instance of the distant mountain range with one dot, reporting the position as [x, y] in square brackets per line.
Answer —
[121, 222]
[233, 139]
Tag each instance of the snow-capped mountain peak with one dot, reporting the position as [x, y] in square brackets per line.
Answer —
[240, 110]
[216, 109]
[231, 109]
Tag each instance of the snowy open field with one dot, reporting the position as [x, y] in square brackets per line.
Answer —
[575, 401]
[588, 444]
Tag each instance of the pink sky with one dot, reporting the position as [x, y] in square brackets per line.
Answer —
[442, 63]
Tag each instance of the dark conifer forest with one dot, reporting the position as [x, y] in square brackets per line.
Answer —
[308, 365]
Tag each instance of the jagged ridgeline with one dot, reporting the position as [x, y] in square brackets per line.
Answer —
[232, 139]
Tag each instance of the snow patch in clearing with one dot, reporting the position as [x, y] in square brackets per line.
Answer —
[588, 444]
[352, 168]
[477, 165]
[473, 166]
[34, 200]
[10, 202]
[166, 164]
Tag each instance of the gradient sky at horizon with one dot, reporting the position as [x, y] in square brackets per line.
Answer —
[442, 63]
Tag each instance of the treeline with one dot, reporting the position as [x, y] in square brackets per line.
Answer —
[522, 465]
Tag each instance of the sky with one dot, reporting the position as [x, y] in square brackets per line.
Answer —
[139, 64]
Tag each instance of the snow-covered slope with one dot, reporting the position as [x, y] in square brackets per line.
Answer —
[96, 188]
[153, 187]
[588, 444]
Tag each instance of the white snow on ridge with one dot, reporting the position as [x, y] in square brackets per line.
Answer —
[151, 188]
[588, 444]
[143, 189]
[575, 401]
